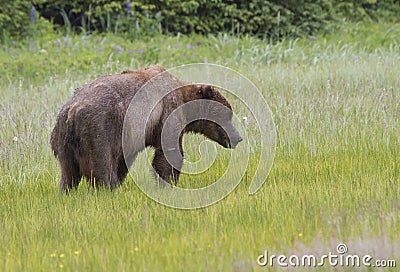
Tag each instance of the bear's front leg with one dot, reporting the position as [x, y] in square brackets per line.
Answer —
[162, 165]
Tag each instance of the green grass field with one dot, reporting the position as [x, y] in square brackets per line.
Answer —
[335, 178]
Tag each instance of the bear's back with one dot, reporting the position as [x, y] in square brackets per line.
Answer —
[121, 86]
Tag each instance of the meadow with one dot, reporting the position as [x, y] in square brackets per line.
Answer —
[335, 177]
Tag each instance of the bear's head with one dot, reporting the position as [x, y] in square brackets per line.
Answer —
[212, 115]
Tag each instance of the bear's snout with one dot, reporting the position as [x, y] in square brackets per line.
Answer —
[236, 141]
[233, 137]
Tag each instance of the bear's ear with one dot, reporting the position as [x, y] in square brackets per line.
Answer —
[206, 91]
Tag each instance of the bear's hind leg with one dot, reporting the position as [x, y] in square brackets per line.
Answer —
[104, 177]
[122, 170]
[103, 168]
[70, 175]
[103, 174]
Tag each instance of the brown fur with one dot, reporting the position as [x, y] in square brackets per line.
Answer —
[87, 137]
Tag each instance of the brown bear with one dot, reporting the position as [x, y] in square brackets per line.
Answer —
[88, 135]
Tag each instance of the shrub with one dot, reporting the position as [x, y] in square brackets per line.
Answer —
[14, 17]
[272, 19]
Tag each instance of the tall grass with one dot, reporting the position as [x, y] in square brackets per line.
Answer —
[335, 177]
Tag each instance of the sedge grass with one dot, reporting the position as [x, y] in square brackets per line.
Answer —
[335, 176]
